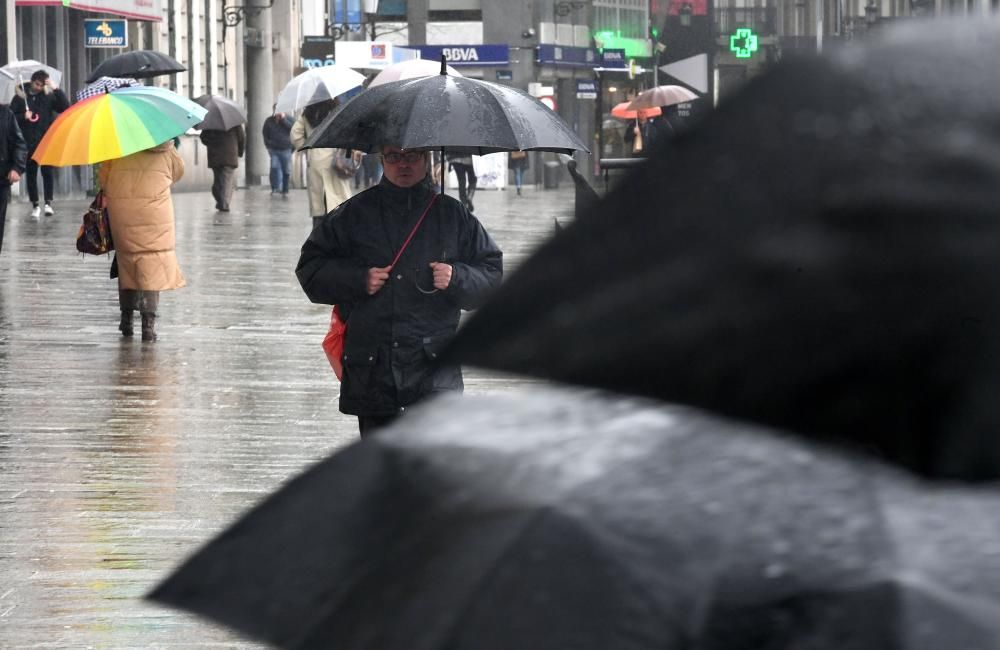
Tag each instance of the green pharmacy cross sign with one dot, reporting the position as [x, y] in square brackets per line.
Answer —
[743, 43]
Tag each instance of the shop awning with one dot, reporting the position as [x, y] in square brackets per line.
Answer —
[135, 9]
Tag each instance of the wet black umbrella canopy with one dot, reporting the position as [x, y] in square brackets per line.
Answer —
[821, 254]
[138, 64]
[458, 114]
[550, 520]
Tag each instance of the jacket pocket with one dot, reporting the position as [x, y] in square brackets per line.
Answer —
[359, 369]
[440, 377]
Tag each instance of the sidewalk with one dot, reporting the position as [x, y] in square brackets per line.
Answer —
[120, 457]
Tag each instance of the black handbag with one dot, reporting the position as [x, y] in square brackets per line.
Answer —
[94, 237]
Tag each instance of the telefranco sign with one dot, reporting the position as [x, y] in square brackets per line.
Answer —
[105, 32]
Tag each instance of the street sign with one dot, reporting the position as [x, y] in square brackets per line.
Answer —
[467, 55]
[613, 58]
[586, 89]
[505, 75]
[105, 32]
[316, 50]
[692, 71]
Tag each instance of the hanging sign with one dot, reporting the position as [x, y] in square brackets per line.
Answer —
[105, 32]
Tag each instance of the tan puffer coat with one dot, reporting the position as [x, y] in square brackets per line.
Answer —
[137, 189]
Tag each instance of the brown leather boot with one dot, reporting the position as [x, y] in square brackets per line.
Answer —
[125, 326]
[148, 321]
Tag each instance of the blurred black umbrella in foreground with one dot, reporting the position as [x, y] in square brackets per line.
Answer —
[138, 64]
[821, 255]
[591, 520]
[459, 114]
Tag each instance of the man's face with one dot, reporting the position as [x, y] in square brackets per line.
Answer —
[37, 86]
[404, 168]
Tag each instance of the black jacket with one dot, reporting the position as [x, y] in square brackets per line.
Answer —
[13, 150]
[277, 134]
[46, 105]
[394, 337]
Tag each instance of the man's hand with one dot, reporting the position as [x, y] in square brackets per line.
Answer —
[13, 176]
[376, 278]
[442, 275]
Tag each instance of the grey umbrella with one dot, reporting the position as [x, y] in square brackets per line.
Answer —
[819, 254]
[593, 521]
[138, 64]
[458, 114]
[223, 113]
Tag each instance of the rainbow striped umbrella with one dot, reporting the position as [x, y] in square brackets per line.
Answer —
[115, 125]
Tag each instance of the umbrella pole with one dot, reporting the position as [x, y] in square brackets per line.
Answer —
[443, 173]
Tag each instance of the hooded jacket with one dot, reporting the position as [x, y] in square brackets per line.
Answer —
[395, 336]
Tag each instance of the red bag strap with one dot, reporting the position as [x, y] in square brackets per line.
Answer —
[414, 231]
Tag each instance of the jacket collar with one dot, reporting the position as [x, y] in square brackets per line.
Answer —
[406, 197]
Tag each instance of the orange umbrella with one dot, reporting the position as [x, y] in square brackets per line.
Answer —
[624, 112]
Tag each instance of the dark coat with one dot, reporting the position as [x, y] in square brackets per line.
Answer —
[47, 105]
[394, 337]
[13, 150]
[277, 134]
[225, 148]
[523, 163]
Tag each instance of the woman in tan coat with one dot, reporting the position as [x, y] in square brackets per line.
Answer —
[326, 188]
[137, 193]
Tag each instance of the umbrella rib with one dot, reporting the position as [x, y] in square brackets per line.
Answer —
[537, 518]
[507, 120]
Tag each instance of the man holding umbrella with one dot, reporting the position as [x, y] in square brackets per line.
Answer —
[401, 262]
[36, 108]
[13, 153]
[225, 148]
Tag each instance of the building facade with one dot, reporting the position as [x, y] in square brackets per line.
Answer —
[581, 57]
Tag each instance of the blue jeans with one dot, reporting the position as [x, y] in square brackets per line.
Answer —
[518, 176]
[281, 169]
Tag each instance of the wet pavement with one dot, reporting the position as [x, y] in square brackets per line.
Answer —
[119, 457]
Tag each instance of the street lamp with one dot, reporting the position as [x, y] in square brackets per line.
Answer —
[685, 14]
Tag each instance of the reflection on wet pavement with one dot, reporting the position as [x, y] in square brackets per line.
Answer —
[120, 457]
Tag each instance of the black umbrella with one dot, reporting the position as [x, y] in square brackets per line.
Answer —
[558, 520]
[138, 64]
[459, 114]
[223, 113]
[819, 254]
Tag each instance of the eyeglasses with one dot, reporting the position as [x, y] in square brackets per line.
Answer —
[394, 157]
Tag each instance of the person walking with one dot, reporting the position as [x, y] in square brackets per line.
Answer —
[517, 161]
[137, 194]
[466, 179]
[225, 148]
[36, 106]
[326, 188]
[13, 158]
[399, 316]
[277, 138]
[371, 165]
